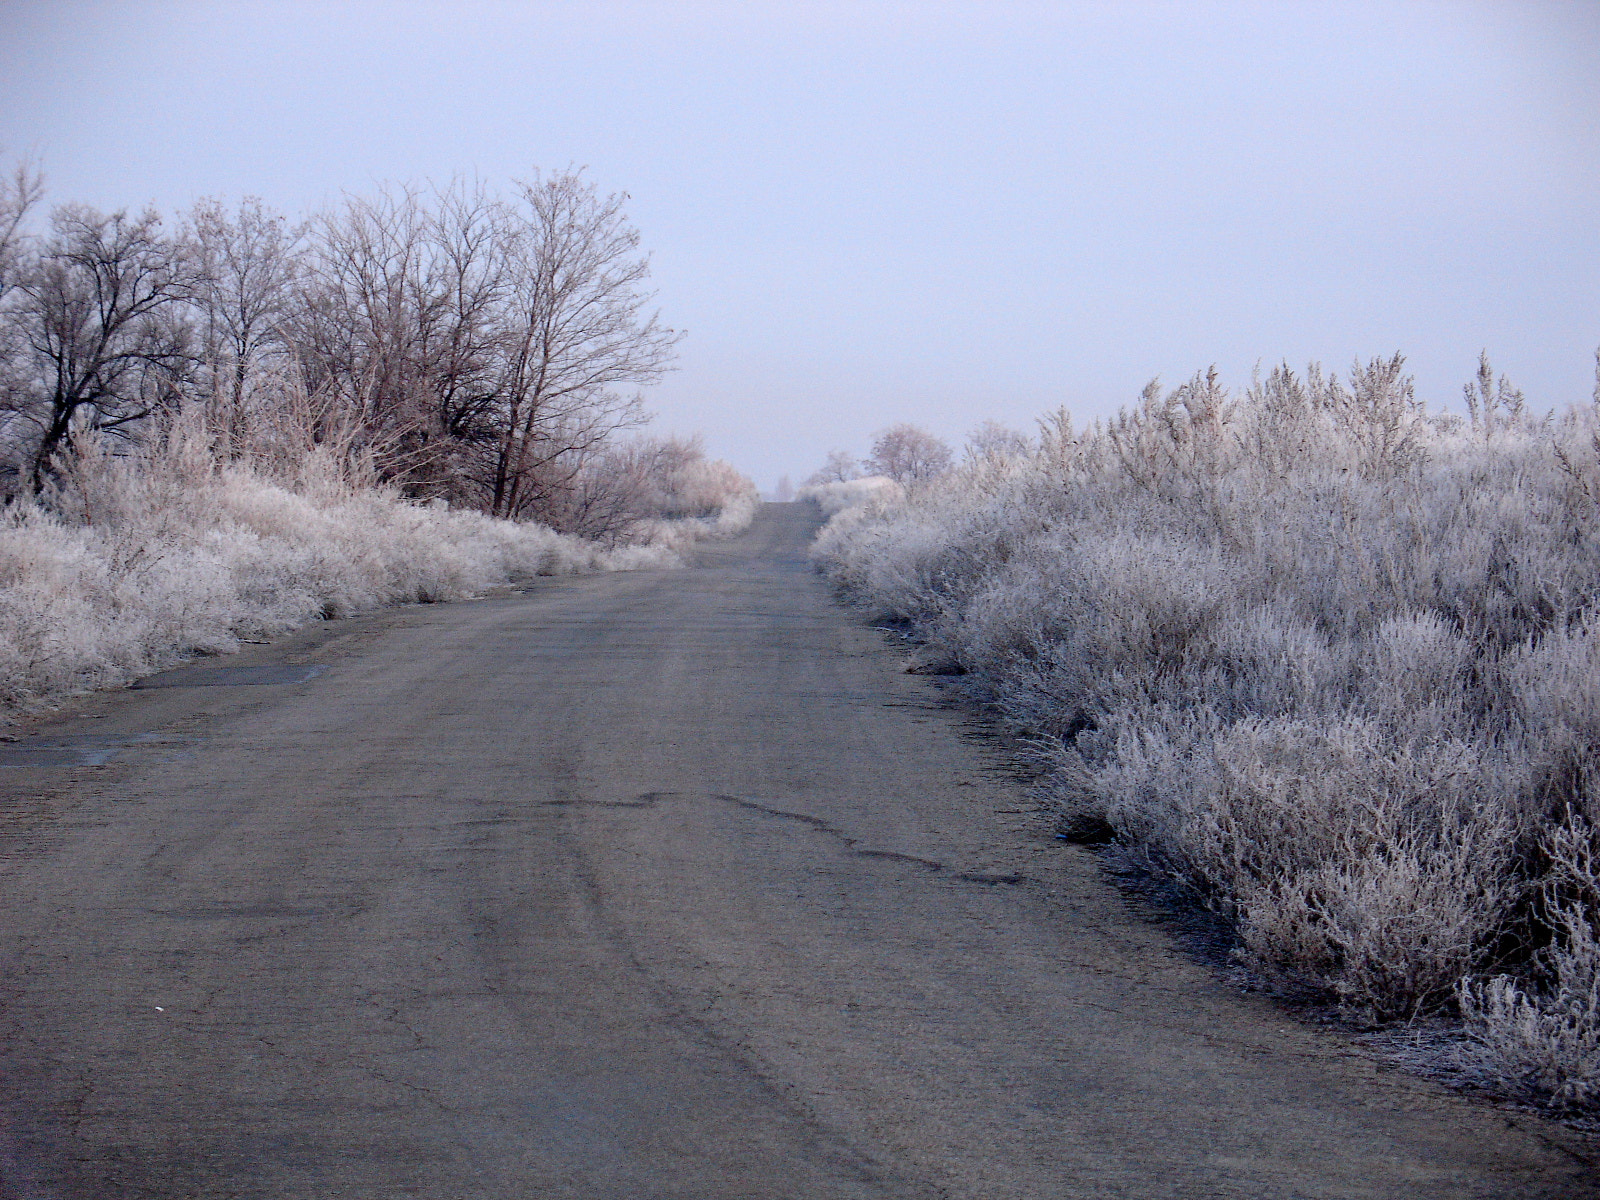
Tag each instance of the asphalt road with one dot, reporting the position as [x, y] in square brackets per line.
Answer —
[668, 884]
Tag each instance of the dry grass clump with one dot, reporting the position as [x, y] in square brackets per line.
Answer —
[1326, 659]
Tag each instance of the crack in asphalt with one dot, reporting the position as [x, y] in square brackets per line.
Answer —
[646, 800]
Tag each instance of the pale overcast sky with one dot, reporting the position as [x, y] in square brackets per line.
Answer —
[873, 212]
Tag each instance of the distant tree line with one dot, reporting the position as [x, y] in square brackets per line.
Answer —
[481, 348]
[909, 454]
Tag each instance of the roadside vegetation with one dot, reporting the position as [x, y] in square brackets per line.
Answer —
[220, 429]
[1325, 661]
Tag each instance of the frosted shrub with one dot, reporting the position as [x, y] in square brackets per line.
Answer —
[1413, 660]
[1266, 658]
[854, 508]
[1352, 862]
[1544, 1041]
[658, 491]
[845, 494]
[1555, 682]
[1391, 874]
[1071, 626]
[722, 503]
[1326, 659]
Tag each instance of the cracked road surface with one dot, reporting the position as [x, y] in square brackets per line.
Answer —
[668, 884]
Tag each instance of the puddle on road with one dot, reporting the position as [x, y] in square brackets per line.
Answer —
[88, 750]
[95, 750]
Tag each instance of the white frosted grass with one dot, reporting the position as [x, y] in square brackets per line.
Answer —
[148, 564]
[1329, 661]
[137, 562]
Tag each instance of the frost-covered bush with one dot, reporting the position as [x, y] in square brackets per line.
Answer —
[1327, 660]
[661, 491]
[841, 494]
[1372, 867]
[690, 497]
[1541, 1040]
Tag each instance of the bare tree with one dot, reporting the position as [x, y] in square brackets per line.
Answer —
[104, 336]
[19, 194]
[456, 343]
[992, 440]
[247, 263]
[582, 335]
[619, 484]
[840, 466]
[408, 320]
[467, 345]
[908, 454]
[485, 345]
[640, 479]
[402, 322]
[363, 313]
